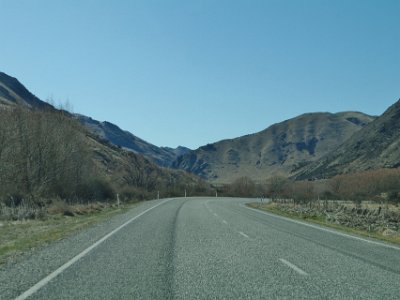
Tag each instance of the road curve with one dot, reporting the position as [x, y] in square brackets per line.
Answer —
[206, 248]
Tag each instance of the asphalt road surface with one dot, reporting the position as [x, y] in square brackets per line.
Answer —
[206, 248]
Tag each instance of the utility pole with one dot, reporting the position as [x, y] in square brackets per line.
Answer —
[185, 193]
[158, 194]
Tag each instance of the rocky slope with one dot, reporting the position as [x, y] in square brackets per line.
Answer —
[283, 148]
[162, 156]
[377, 145]
[13, 92]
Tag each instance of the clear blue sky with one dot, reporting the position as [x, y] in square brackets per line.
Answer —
[193, 72]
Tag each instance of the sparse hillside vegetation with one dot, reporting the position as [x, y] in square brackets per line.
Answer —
[283, 148]
[162, 156]
[376, 145]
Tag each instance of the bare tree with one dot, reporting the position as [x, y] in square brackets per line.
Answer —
[277, 186]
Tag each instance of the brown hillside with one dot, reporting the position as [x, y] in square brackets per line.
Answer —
[377, 145]
[283, 148]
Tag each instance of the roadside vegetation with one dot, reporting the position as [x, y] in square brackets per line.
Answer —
[366, 203]
[47, 157]
[60, 221]
[380, 186]
[44, 159]
[367, 219]
[56, 178]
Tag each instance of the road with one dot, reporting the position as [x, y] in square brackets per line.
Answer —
[207, 248]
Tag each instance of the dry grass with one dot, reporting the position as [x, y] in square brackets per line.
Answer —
[277, 209]
[17, 237]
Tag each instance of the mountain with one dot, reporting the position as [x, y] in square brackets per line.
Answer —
[13, 92]
[283, 148]
[176, 152]
[122, 168]
[163, 156]
[377, 145]
[128, 169]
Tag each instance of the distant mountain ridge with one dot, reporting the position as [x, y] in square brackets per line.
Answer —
[312, 145]
[283, 148]
[163, 156]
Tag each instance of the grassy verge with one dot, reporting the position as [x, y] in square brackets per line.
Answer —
[272, 208]
[17, 237]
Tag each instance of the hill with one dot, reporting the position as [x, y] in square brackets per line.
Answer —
[162, 156]
[13, 92]
[377, 145]
[284, 148]
[46, 153]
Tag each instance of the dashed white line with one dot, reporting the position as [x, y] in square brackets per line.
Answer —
[225, 222]
[243, 234]
[210, 210]
[65, 266]
[206, 205]
[292, 266]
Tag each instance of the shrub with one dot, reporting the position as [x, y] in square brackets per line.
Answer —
[95, 190]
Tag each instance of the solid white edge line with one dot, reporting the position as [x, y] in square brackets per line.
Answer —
[294, 267]
[65, 266]
[242, 233]
[324, 229]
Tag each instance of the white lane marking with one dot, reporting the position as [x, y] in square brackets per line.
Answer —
[225, 222]
[245, 235]
[208, 208]
[324, 229]
[65, 266]
[292, 266]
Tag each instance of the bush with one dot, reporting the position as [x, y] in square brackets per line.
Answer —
[394, 197]
[60, 207]
[132, 193]
[95, 190]
[14, 200]
[24, 210]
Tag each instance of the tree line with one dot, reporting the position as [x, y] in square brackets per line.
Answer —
[43, 155]
[48, 156]
[382, 185]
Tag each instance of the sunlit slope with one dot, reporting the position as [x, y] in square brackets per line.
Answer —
[377, 145]
[283, 148]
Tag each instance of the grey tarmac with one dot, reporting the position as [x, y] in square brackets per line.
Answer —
[206, 248]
